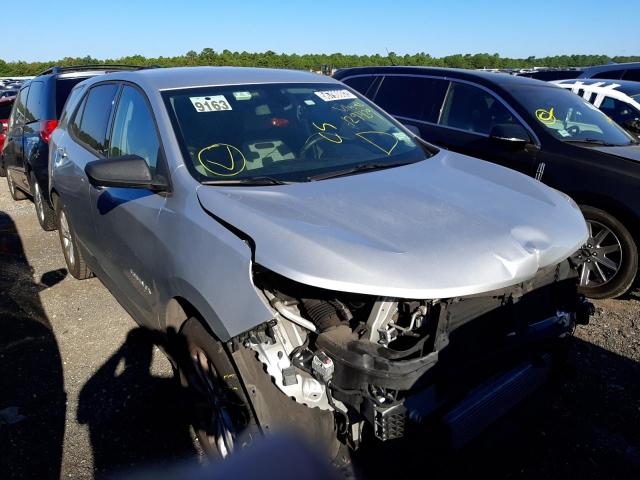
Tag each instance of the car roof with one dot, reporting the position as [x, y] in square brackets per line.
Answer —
[188, 77]
[610, 66]
[479, 76]
[625, 86]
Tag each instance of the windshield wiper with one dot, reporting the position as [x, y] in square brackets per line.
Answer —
[362, 167]
[593, 141]
[251, 181]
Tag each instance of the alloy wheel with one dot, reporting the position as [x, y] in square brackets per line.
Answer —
[12, 186]
[214, 406]
[67, 239]
[37, 194]
[600, 258]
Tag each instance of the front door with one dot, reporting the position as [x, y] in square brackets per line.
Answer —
[464, 125]
[126, 218]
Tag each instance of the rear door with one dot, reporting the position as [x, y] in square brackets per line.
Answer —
[13, 152]
[126, 218]
[87, 131]
[35, 147]
[415, 101]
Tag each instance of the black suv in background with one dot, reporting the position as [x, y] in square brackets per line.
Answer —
[539, 129]
[33, 118]
[613, 71]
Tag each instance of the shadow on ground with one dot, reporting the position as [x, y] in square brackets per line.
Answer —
[584, 424]
[134, 418]
[32, 397]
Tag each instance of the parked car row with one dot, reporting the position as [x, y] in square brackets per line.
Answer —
[311, 261]
[618, 99]
[612, 71]
[540, 130]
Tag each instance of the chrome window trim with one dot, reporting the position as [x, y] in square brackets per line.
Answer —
[534, 137]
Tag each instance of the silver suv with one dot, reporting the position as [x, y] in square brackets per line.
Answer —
[313, 264]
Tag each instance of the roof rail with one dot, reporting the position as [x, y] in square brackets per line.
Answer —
[103, 66]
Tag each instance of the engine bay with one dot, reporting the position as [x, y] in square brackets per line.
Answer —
[379, 361]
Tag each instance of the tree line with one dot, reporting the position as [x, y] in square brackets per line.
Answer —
[209, 56]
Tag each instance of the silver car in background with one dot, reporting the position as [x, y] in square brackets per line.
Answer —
[312, 263]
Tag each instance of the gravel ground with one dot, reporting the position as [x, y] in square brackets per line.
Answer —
[84, 391]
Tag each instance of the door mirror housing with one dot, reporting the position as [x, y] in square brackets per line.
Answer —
[127, 171]
[511, 133]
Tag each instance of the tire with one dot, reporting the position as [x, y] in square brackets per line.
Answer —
[280, 412]
[608, 262]
[221, 415]
[46, 215]
[14, 191]
[73, 257]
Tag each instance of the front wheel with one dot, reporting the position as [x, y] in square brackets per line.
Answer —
[608, 261]
[222, 418]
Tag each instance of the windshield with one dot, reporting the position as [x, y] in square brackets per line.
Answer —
[569, 117]
[288, 132]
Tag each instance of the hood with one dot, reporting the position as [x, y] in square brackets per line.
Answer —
[631, 152]
[450, 225]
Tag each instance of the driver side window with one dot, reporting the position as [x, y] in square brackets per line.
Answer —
[472, 109]
[134, 131]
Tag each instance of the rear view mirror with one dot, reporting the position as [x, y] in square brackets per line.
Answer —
[127, 171]
[511, 133]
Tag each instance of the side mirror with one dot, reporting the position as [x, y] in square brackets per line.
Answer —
[127, 171]
[511, 133]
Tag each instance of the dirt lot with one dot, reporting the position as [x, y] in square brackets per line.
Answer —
[84, 392]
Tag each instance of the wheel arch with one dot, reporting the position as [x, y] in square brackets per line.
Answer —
[188, 303]
[619, 210]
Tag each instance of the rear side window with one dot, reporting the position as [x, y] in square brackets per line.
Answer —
[18, 114]
[63, 88]
[92, 129]
[361, 84]
[632, 74]
[474, 110]
[610, 74]
[412, 97]
[5, 110]
[36, 103]
[134, 131]
[72, 102]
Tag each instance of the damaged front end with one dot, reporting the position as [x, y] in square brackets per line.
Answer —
[381, 361]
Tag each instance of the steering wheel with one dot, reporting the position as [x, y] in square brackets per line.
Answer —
[574, 130]
[311, 141]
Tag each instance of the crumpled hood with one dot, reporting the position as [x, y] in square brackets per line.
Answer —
[448, 226]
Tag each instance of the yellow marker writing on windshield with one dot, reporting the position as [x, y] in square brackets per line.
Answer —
[335, 139]
[226, 165]
[546, 116]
